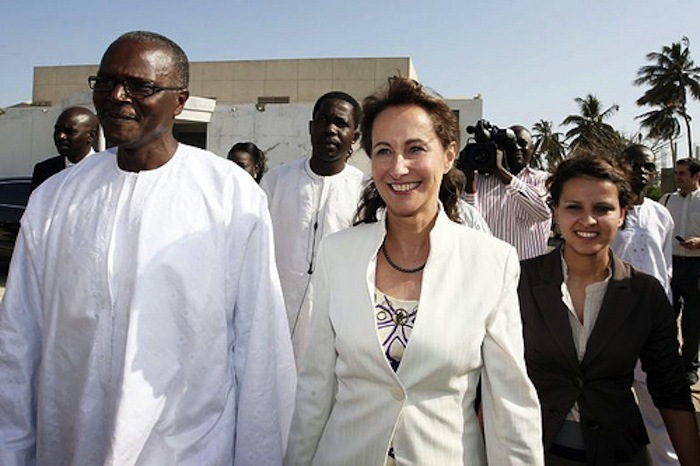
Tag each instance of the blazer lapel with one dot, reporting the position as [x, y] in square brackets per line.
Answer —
[618, 303]
[367, 256]
[554, 313]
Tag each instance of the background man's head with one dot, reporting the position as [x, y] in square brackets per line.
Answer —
[139, 89]
[519, 154]
[686, 174]
[74, 133]
[640, 159]
[334, 127]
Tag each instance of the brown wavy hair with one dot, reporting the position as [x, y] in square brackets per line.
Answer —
[404, 91]
[592, 165]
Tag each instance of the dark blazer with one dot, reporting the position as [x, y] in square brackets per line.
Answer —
[47, 168]
[635, 322]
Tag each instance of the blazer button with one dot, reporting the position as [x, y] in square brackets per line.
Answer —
[593, 425]
[397, 394]
[578, 381]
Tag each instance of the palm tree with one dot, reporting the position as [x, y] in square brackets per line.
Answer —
[549, 149]
[590, 130]
[671, 78]
[662, 124]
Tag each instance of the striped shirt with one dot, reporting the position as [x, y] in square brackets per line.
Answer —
[518, 212]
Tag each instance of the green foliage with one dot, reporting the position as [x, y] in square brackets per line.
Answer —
[590, 132]
[654, 192]
[550, 148]
[672, 78]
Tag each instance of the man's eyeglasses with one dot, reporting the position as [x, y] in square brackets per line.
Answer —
[132, 87]
[647, 166]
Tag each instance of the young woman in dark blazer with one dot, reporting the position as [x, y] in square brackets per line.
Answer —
[587, 318]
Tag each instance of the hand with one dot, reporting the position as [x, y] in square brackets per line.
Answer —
[691, 243]
[500, 171]
[470, 184]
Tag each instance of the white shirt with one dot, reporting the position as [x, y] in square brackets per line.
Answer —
[646, 241]
[685, 211]
[581, 331]
[143, 320]
[518, 212]
[70, 164]
[306, 207]
[471, 217]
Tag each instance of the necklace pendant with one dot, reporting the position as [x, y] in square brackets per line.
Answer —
[401, 316]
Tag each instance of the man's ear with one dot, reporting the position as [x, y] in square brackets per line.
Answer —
[355, 136]
[182, 97]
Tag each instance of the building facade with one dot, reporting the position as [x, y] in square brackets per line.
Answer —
[268, 102]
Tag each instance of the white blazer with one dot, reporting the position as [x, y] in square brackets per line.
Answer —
[350, 403]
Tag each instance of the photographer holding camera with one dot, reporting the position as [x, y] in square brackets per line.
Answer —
[509, 194]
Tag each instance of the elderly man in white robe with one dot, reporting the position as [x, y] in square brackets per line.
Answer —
[143, 321]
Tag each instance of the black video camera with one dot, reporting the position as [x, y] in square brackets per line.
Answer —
[480, 151]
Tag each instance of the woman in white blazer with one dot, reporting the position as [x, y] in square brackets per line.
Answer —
[411, 309]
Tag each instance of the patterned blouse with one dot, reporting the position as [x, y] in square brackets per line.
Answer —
[395, 320]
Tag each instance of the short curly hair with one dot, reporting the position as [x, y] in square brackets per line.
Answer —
[592, 165]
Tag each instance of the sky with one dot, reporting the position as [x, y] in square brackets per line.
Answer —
[527, 59]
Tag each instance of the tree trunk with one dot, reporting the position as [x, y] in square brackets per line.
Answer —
[690, 138]
[674, 155]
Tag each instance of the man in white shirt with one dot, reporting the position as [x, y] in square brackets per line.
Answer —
[513, 198]
[645, 243]
[310, 198]
[74, 133]
[143, 320]
[684, 206]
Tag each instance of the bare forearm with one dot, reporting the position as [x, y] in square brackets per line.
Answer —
[683, 430]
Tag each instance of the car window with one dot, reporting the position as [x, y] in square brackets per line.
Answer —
[15, 193]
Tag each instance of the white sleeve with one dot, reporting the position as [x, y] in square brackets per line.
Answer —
[668, 255]
[20, 356]
[512, 418]
[317, 384]
[471, 217]
[264, 363]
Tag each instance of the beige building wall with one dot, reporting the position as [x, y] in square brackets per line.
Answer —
[232, 116]
[245, 82]
[53, 84]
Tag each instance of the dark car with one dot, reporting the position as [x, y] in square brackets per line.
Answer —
[14, 194]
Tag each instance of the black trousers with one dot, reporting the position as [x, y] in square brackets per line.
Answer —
[685, 285]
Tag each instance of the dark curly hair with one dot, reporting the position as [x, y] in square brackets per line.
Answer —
[593, 165]
[258, 156]
[404, 91]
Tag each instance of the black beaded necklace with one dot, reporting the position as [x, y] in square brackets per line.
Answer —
[397, 267]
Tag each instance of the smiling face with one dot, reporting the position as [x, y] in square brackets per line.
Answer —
[139, 123]
[409, 161]
[588, 214]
